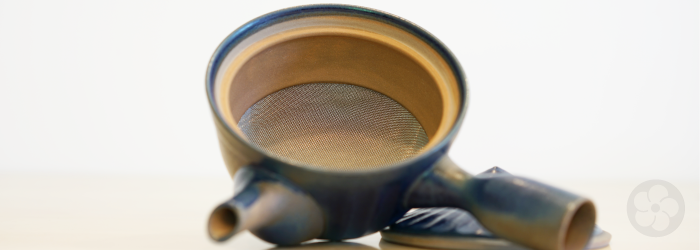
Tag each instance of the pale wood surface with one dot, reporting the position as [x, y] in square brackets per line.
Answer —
[125, 212]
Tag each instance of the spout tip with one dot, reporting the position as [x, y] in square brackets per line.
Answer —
[580, 227]
[223, 223]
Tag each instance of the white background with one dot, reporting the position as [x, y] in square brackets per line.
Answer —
[559, 90]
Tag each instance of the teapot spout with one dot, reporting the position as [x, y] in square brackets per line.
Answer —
[270, 207]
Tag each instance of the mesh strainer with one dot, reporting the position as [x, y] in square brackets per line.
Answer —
[332, 126]
[335, 120]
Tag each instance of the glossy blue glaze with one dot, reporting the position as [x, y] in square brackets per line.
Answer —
[353, 204]
[458, 224]
[454, 224]
[366, 204]
[334, 9]
[521, 210]
[270, 207]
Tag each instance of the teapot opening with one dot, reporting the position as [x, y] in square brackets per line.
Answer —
[222, 223]
[580, 227]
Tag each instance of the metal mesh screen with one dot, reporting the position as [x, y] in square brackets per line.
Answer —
[334, 127]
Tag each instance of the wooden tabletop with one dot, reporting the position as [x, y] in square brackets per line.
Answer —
[152, 212]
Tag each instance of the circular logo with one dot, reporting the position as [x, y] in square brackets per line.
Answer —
[655, 208]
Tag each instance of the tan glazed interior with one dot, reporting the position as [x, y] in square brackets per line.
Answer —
[335, 49]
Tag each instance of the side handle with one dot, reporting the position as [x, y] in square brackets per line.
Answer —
[521, 210]
[270, 207]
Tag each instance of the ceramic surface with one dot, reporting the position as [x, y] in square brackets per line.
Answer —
[454, 228]
[353, 204]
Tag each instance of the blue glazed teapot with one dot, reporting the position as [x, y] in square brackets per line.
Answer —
[335, 120]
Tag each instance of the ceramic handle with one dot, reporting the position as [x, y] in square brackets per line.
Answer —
[523, 211]
[270, 207]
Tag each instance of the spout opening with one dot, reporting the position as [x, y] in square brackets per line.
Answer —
[223, 223]
[580, 227]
